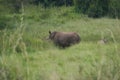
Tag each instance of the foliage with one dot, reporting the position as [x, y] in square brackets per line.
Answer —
[4, 22]
[93, 8]
[82, 5]
[98, 8]
[47, 3]
[114, 8]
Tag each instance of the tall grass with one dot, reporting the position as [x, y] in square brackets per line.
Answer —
[27, 55]
[14, 42]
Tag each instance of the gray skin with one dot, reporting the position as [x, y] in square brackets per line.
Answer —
[64, 39]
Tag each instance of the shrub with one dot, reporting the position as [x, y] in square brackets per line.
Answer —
[114, 9]
[82, 5]
[8, 22]
[3, 22]
[47, 3]
[98, 8]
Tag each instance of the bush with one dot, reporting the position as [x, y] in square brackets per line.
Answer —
[95, 11]
[3, 22]
[114, 9]
[82, 5]
[47, 3]
[98, 8]
[7, 22]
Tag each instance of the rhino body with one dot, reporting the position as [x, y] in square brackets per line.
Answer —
[64, 39]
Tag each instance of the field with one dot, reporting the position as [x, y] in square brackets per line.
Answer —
[26, 54]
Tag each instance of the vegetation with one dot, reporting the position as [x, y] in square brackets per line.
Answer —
[93, 8]
[25, 54]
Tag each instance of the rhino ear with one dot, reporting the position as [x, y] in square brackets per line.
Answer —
[49, 32]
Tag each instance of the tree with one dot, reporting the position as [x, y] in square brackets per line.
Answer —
[82, 5]
[93, 8]
[98, 8]
[114, 8]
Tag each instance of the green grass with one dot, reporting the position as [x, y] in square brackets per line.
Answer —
[39, 59]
